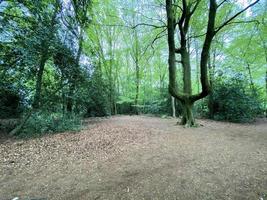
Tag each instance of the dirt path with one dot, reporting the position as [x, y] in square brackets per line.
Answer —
[138, 157]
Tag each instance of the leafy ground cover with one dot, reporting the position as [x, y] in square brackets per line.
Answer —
[138, 157]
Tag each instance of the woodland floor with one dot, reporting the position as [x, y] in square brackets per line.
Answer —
[139, 157]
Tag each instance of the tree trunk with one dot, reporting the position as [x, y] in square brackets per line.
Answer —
[69, 105]
[137, 88]
[22, 123]
[186, 98]
[252, 87]
[173, 107]
[197, 66]
[39, 77]
[38, 87]
[211, 95]
[72, 87]
[188, 119]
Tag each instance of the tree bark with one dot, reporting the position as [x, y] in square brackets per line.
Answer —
[197, 66]
[173, 107]
[252, 86]
[38, 87]
[186, 98]
[188, 119]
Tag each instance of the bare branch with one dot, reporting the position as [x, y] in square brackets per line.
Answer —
[151, 25]
[158, 36]
[236, 15]
[244, 22]
[176, 5]
[112, 25]
[220, 4]
[195, 7]
[197, 36]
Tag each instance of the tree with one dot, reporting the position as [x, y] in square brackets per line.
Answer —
[77, 24]
[178, 17]
[40, 37]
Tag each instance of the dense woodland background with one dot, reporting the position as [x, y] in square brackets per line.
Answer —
[61, 61]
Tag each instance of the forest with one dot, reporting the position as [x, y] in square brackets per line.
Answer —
[163, 82]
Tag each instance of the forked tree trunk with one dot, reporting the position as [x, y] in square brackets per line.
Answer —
[186, 98]
[183, 25]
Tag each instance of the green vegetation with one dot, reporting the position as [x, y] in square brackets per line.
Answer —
[231, 100]
[43, 123]
[61, 61]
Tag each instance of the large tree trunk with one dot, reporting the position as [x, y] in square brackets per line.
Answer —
[186, 98]
[188, 119]
[183, 25]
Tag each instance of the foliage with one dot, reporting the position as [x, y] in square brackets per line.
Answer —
[233, 101]
[46, 122]
[85, 58]
[9, 103]
[97, 100]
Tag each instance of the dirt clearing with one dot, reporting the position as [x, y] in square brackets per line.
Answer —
[139, 157]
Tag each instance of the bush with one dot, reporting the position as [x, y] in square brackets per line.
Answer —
[9, 103]
[41, 123]
[7, 125]
[233, 101]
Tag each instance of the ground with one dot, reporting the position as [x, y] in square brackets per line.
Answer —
[139, 157]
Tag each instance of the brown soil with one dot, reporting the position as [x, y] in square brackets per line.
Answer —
[139, 157]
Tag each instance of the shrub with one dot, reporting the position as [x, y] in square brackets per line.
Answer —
[233, 101]
[41, 123]
[9, 103]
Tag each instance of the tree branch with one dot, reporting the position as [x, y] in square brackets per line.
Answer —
[244, 22]
[236, 15]
[195, 7]
[178, 50]
[151, 25]
[222, 3]
[158, 36]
